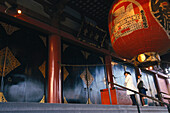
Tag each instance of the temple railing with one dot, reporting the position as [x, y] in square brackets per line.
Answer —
[152, 98]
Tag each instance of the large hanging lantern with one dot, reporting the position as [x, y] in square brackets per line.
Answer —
[139, 27]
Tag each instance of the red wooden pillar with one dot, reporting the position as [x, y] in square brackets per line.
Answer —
[54, 70]
[108, 61]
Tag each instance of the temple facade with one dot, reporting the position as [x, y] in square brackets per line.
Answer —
[53, 52]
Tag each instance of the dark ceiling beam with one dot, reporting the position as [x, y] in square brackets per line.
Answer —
[96, 10]
[54, 8]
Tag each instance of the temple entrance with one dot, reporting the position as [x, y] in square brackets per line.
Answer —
[83, 75]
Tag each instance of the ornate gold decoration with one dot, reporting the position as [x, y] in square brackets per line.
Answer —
[44, 39]
[101, 58]
[43, 99]
[42, 68]
[65, 100]
[65, 46]
[89, 77]
[86, 54]
[9, 28]
[146, 59]
[11, 61]
[89, 101]
[66, 73]
[2, 98]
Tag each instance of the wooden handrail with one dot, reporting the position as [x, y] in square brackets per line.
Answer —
[165, 93]
[140, 93]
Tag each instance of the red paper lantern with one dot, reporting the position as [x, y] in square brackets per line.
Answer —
[139, 26]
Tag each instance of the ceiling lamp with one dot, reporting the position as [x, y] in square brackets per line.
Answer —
[19, 11]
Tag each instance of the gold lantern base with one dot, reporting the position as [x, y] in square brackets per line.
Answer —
[146, 59]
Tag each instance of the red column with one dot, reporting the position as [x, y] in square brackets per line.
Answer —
[108, 60]
[54, 70]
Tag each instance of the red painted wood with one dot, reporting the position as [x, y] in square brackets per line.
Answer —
[105, 96]
[109, 70]
[44, 27]
[118, 97]
[65, 36]
[54, 70]
[137, 40]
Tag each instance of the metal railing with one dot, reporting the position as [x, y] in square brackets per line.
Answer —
[164, 103]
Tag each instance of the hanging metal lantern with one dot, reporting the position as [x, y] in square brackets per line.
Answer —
[139, 26]
[146, 59]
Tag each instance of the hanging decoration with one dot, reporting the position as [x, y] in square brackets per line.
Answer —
[139, 26]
